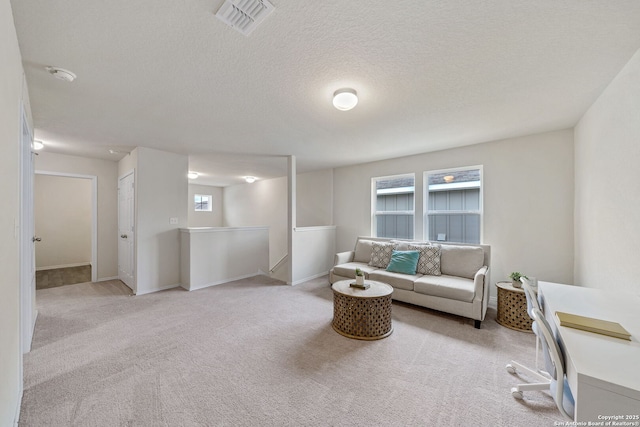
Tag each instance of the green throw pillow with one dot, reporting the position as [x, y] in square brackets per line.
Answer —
[404, 262]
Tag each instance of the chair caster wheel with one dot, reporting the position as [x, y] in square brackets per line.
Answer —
[510, 369]
[517, 393]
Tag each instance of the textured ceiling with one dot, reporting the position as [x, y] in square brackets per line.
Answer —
[430, 75]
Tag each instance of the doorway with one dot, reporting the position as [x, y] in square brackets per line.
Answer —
[65, 216]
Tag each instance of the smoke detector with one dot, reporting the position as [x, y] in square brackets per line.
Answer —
[61, 73]
[244, 15]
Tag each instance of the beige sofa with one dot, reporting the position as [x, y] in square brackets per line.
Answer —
[461, 289]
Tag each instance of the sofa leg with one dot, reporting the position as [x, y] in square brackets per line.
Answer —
[477, 324]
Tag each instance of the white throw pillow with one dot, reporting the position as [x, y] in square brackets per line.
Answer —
[363, 251]
[462, 261]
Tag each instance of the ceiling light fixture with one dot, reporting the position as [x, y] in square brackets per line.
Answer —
[112, 151]
[250, 179]
[192, 175]
[38, 145]
[448, 178]
[61, 73]
[345, 99]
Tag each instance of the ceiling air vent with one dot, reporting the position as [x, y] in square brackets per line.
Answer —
[244, 15]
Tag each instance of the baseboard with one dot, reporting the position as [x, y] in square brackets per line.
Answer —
[164, 288]
[306, 279]
[53, 267]
[104, 279]
[220, 282]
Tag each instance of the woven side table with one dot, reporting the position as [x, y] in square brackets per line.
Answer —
[512, 308]
[363, 314]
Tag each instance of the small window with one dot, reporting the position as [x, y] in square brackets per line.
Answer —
[202, 203]
[453, 205]
[393, 206]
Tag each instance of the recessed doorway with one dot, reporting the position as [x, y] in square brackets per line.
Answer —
[65, 228]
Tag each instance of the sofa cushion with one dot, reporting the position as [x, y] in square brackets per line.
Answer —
[429, 261]
[462, 261]
[349, 269]
[403, 245]
[363, 251]
[404, 262]
[381, 254]
[451, 287]
[397, 280]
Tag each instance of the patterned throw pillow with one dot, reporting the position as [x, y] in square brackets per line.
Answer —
[381, 254]
[429, 261]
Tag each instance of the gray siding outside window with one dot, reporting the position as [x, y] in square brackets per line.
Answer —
[394, 206]
[394, 225]
[454, 206]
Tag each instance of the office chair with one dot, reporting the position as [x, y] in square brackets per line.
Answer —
[513, 366]
[554, 363]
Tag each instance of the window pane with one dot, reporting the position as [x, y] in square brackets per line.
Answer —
[463, 228]
[451, 177]
[202, 203]
[394, 194]
[454, 206]
[397, 226]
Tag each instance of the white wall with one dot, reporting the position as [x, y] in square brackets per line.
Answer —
[528, 200]
[12, 92]
[263, 203]
[218, 255]
[107, 176]
[607, 193]
[201, 218]
[161, 194]
[62, 210]
[314, 249]
[314, 197]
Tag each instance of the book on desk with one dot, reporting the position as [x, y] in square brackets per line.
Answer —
[599, 326]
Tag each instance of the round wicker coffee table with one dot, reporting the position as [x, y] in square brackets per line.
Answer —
[363, 314]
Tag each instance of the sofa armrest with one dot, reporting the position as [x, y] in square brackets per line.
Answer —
[480, 283]
[343, 257]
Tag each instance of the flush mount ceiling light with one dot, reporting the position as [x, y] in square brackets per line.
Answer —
[38, 145]
[345, 99]
[250, 179]
[61, 73]
[192, 175]
[448, 178]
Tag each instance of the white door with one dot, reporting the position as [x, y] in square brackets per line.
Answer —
[126, 234]
[27, 239]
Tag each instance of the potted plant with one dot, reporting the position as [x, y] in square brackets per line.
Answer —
[359, 277]
[515, 279]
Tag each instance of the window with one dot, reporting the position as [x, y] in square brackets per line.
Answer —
[453, 205]
[202, 203]
[393, 206]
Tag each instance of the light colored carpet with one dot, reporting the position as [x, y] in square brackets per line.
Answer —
[259, 353]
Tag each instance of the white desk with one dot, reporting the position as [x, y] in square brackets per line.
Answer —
[603, 372]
